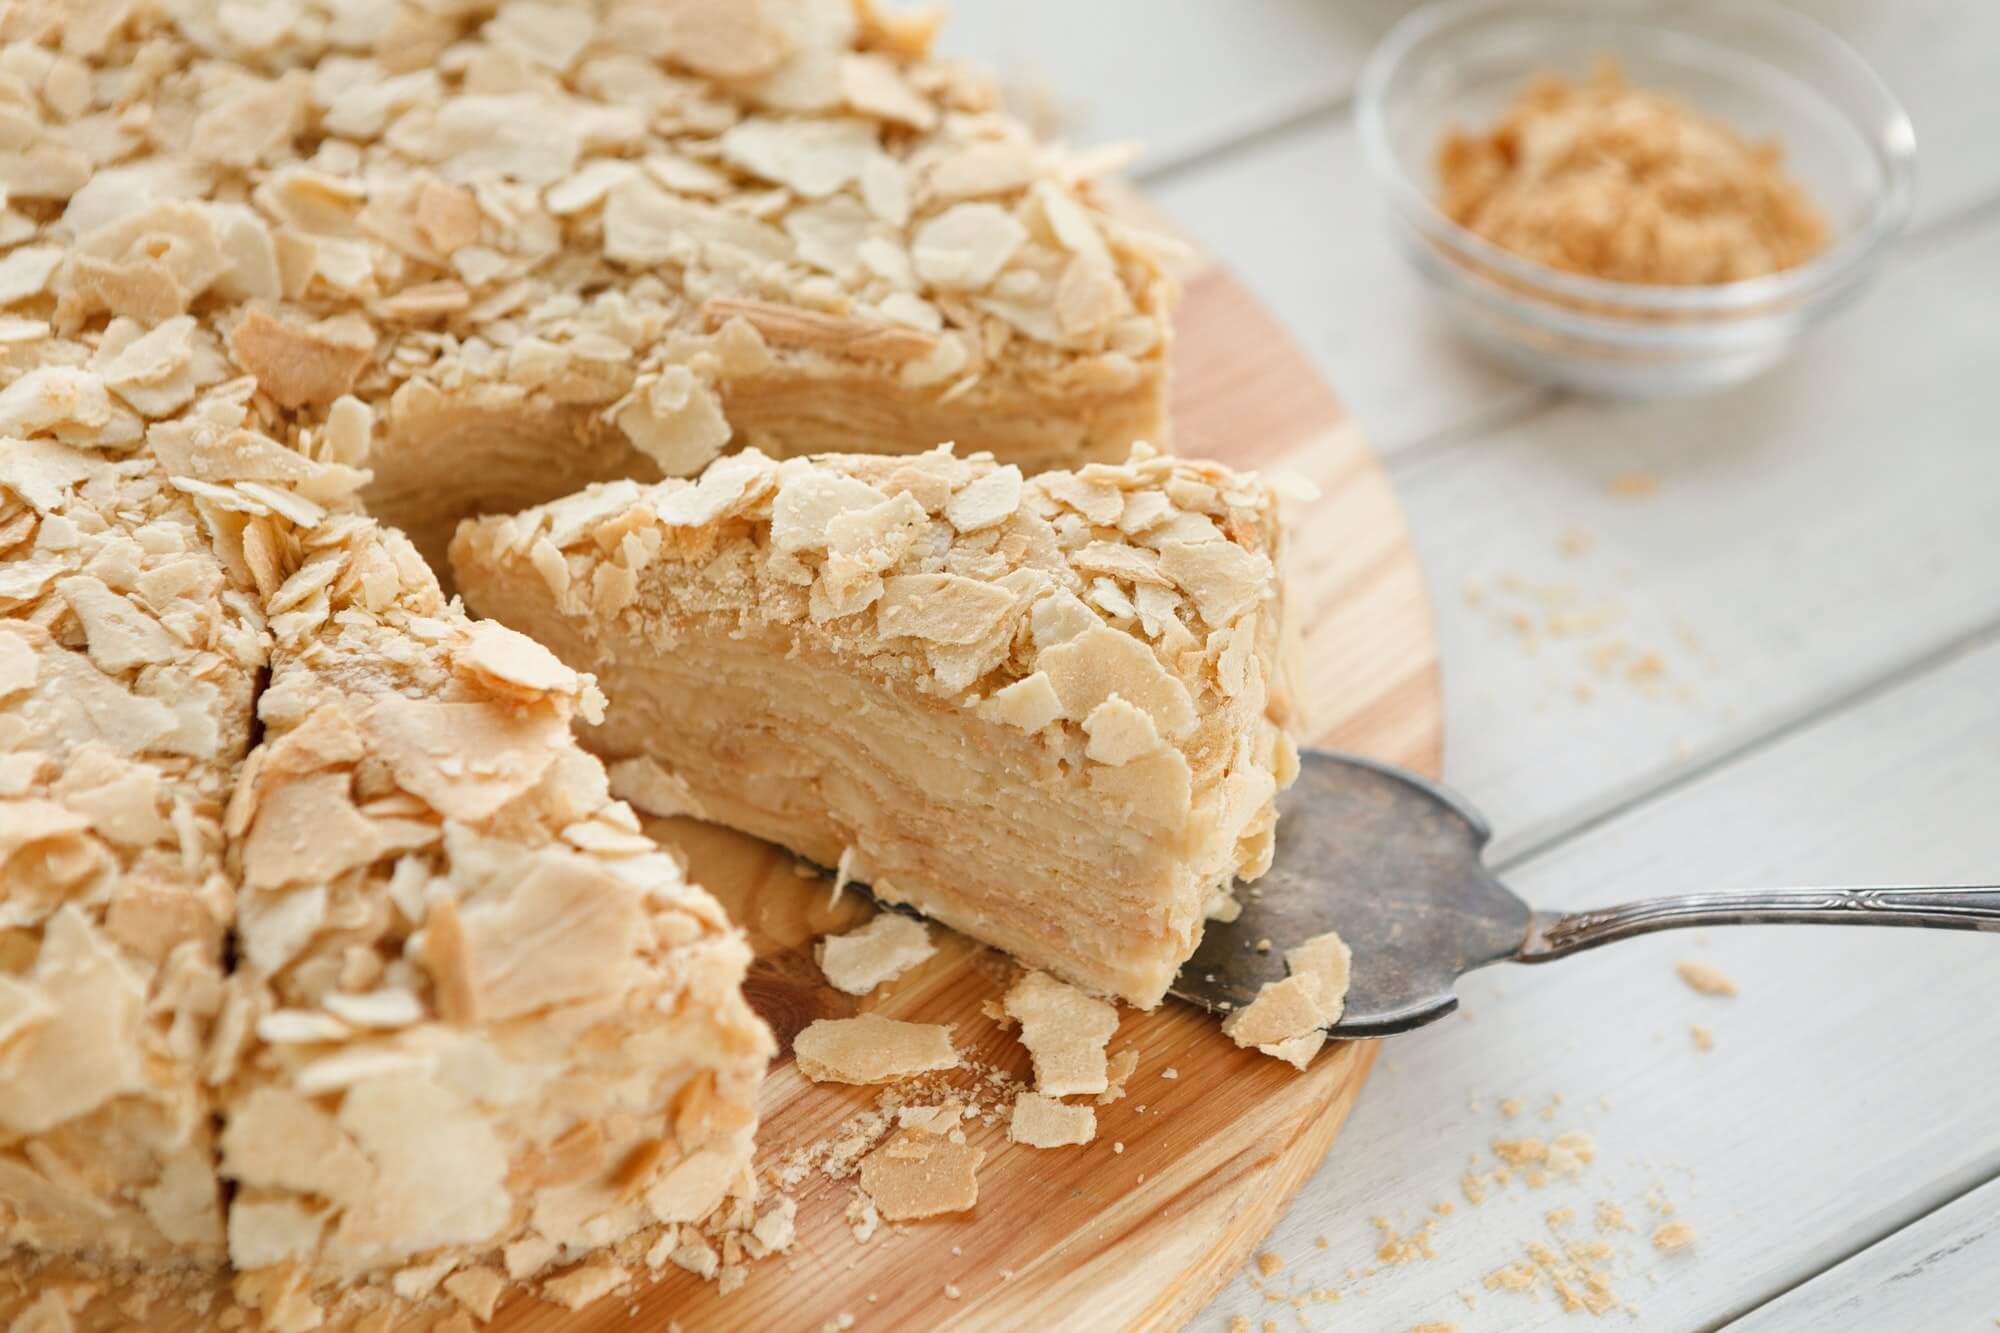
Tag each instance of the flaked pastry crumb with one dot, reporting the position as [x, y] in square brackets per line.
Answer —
[1626, 184]
[1289, 1018]
[919, 1174]
[1065, 1032]
[1044, 1122]
[1673, 1236]
[1118, 1070]
[1705, 978]
[871, 1049]
[862, 959]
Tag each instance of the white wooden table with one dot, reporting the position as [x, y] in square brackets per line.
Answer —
[1817, 577]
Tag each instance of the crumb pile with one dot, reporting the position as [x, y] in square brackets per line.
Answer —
[1576, 1251]
[1596, 641]
[910, 1156]
[1615, 182]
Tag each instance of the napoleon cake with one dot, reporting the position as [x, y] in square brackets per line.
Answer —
[1046, 711]
[558, 243]
[400, 983]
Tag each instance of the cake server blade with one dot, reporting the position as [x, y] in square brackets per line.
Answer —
[1395, 863]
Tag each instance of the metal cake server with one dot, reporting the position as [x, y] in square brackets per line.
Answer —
[1393, 862]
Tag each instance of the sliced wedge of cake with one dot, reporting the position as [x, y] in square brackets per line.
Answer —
[1047, 711]
[476, 1013]
[128, 655]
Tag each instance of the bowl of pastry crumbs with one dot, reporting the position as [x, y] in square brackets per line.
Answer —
[1631, 197]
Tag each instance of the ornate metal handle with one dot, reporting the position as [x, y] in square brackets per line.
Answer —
[1957, 907]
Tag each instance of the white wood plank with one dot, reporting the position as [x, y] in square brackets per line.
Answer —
[1935, 1273]
[1181, 76]
[1850, 1087]
[1809, 533]
[1938, 57]
[1297, 216]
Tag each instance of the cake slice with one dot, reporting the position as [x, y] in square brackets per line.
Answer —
[1047, 711]
[476, 1014]
[128, 656]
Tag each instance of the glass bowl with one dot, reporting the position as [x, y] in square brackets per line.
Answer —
[1764, 70]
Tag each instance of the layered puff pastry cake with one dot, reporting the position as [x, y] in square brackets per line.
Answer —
[397, 989]
[1047, 711]
[555, 243]
[324, 952]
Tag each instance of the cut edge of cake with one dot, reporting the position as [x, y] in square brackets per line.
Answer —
[1049, 712]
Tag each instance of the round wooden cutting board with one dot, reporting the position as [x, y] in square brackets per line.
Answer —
[1138, 1229]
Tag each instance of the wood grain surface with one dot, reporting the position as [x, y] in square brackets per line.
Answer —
[1187, 1173]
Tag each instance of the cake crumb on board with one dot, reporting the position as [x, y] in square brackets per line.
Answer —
[1044, 1122]
[917, 1174]
[1289, 1018]
[871, 1049]
[1407, 1248]
[862, 959]
[1065, 1030]
[1705, 978]
[1673, 1237]
[1118, 1069]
